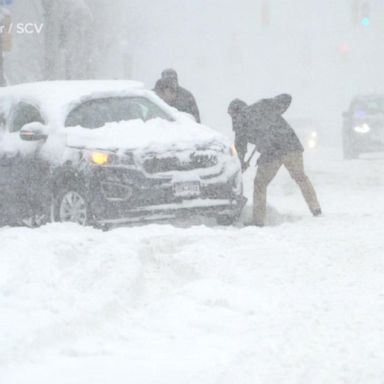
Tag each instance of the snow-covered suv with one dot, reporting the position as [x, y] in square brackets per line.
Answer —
[110, 152]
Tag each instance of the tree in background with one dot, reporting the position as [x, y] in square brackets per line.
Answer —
[81, 39]
[68, 39]
[2, 79]
[4, 41]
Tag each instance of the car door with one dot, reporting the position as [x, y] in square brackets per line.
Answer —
[21, 171]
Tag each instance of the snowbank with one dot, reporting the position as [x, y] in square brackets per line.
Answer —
[301, 301]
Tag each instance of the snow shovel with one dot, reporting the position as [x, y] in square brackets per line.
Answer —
[247, 163]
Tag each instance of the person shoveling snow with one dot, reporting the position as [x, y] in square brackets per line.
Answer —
[262, 124]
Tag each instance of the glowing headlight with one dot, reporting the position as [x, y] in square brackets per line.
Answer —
[364, 128]
[314, 135]
[99, 158]
[233, 150]
[312, 143]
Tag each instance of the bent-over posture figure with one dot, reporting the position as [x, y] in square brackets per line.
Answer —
[262, 124]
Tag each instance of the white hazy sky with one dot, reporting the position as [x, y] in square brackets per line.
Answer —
[221, 51]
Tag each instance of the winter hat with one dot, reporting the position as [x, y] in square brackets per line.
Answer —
[169, 74]
[236, 106]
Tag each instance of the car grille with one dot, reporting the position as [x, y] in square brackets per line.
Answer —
[183, 163]
[116, 176]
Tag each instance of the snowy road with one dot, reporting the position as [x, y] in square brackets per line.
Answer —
[301, 301]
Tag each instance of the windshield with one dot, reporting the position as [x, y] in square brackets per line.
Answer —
[98, 112]
[367, 106]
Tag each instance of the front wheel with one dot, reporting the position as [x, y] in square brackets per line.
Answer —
[71, 205]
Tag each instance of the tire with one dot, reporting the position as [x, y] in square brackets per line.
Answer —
[71, 205]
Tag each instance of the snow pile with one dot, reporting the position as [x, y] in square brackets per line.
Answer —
[299, 302]
[56, 98]
[155, 133]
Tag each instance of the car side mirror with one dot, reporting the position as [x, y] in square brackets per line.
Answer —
[34, 132]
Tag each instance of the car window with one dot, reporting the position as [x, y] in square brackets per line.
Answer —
[2, 124]
[98, 112]
[24, 114]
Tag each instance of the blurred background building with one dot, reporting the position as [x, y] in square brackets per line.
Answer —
[322, 52]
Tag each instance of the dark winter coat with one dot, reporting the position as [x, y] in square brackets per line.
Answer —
[262, 124]
[182, 100]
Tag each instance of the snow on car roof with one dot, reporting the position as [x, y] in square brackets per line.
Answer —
[68, 88]
[54, 96]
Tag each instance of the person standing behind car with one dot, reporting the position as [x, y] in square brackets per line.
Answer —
[168, 89]
[262, 124]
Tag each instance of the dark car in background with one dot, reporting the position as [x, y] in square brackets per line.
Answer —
[363, 126]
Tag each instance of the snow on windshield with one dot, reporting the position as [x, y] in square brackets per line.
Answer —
[96, 113]
[156, 133]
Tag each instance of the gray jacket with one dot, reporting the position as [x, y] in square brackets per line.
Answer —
[182, 100]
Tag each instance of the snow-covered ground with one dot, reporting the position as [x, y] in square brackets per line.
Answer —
[301, 301]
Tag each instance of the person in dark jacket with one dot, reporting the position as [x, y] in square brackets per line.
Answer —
[169, 90]
[263, 125]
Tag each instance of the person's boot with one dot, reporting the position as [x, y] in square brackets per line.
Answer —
[317, 212]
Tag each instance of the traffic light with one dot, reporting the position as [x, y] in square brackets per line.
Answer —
[365, 16]
[361, 13]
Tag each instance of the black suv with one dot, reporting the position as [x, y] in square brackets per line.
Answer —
[106, 153]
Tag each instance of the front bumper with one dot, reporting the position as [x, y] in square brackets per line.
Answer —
[119, 196]
[370, 141]
[197, 207]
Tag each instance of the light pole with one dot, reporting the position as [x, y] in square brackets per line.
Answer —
[49, 61]
[2, 78]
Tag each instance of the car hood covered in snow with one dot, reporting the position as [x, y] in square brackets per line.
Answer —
[156, 134]
[57, 98]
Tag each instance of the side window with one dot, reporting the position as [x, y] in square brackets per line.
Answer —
[148, 110]
[2, 126]
[24, 114]
[3, 120]
[96, 113]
